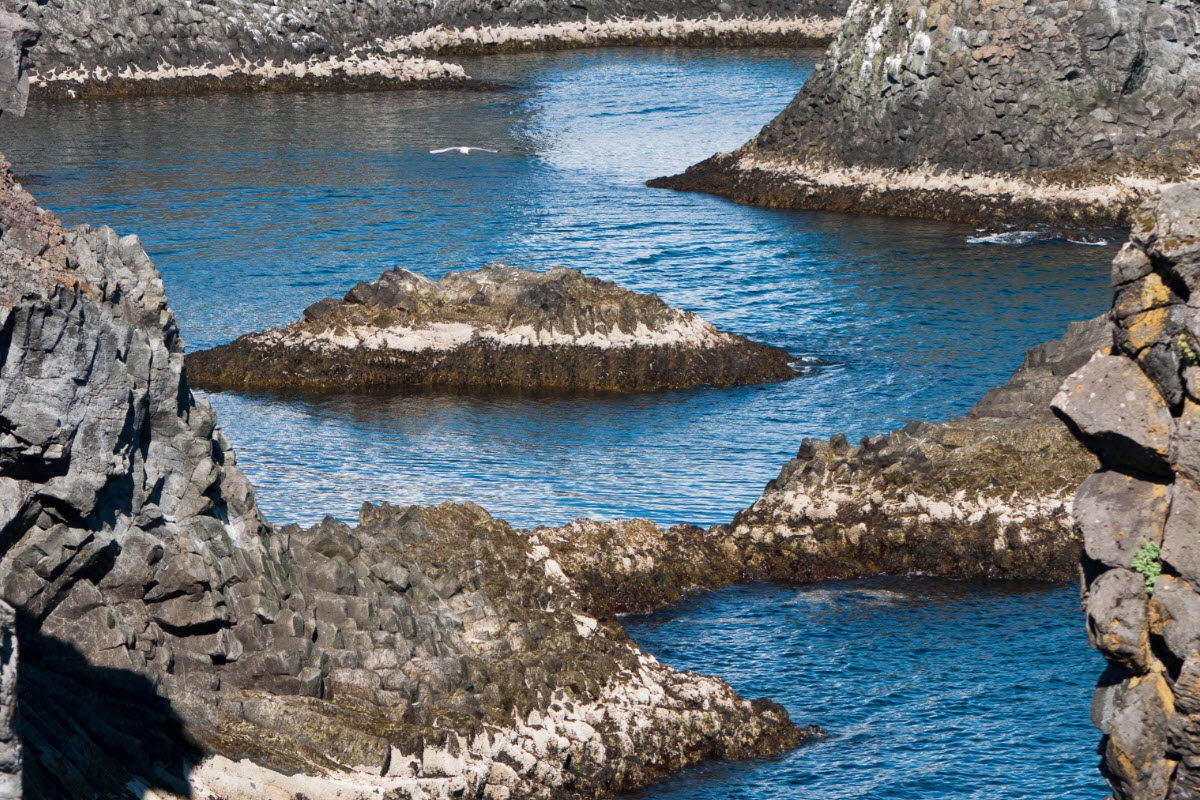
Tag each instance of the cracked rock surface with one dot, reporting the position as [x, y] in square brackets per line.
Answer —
[983, 112]
[496, 328]
[1137, 409]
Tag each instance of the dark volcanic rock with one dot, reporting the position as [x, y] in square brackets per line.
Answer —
[1138, 410]
[83, 36]
[985, 496]
[10, 744]
[1007, 111]
[17, 35]
[495, 328]
[172, 639]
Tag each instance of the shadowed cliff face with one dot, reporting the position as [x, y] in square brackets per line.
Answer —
[1139, 514]
[923, 110]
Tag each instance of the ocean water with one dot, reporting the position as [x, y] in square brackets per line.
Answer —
[928, 689]
[255, 207]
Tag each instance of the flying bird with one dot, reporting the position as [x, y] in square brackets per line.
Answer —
[463, 150]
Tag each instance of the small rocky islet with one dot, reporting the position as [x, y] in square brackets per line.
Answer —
[493, 329]
[162, 638]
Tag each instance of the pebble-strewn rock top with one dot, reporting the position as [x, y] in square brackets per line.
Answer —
[985, 496]
[496, 328]
[172, 639]
[1139, 514]
[100, 45]
[998, 111]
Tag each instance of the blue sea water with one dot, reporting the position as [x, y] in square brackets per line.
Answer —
[928, 689]
[255, 207]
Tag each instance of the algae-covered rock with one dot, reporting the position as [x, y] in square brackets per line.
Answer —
[495, 328]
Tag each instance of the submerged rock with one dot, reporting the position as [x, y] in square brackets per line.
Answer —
[999, 112]
[173, 641]
[1140, 512]
[495, 328]
[985, 496]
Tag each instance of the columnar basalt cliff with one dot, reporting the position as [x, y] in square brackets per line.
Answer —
[985, 496]
[495, 328]
[1005, 111]
[171, 639]
[1139, 514]
[104, 48]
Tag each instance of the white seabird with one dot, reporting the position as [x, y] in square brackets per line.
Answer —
[463, 150]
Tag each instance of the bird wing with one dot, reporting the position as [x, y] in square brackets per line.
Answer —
[443, 150]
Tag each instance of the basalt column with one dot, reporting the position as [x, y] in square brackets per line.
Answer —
[1138, 409]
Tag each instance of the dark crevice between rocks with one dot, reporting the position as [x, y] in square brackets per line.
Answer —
[88, 730]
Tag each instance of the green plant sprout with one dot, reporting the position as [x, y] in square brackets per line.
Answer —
[1187, 351]
[1146, 561]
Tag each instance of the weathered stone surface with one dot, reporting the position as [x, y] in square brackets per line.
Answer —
[170, 635]
[1117, 514]
[1134, 754]
[1181, 544]
[1006, 111]
[1118, 619]
[489, 329]
[1117, 412]
[1132, 411]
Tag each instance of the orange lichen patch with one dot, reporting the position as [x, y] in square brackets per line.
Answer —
[1149, 293]
[1144, 329]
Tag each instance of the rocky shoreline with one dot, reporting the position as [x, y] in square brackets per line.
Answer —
[994, 200]
[223, 46]
[491, 329]
[664, 31]
[355, 74]
[987, 496]
[1010, 113]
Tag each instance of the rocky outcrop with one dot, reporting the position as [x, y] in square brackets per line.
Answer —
[996, 112]
[172, 640]
[10, 744]
[1138, 514]
[105, 47]
[495, 328]
[17, 35]
[985, 496]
